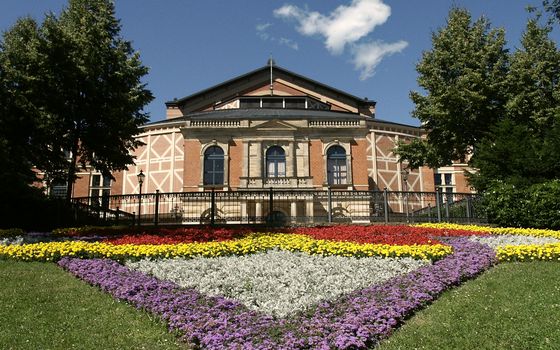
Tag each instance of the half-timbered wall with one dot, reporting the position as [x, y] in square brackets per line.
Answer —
[161, 159]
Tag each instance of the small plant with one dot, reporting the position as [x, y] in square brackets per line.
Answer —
[11, 232]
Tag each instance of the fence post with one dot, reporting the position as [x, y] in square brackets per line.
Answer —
[386, 205]
[469, 209]
[329, 203]
[117, 214]
[133, 218]
[429, 212]
[156, 211]
[447, 207]
[438, 204]
[270, 206]
[212, 207]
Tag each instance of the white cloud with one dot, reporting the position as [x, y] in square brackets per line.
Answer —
[261, 31]
[368, 55]
[289, 43]
[262, 27]
[345, 25]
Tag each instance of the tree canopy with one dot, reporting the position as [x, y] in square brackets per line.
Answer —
[500, 111]
[74, 87]
[464, 76]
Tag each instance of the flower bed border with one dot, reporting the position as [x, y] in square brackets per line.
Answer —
[54, 251]
[354, 321]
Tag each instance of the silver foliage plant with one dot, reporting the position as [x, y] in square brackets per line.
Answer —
[277, 282]
[503, 240]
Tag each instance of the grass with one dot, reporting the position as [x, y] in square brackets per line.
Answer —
[43, 307]
[512, 306]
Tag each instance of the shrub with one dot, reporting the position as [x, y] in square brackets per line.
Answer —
[11, 232]
[543, 204]
[535, 206]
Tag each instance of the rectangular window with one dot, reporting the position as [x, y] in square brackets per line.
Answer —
[437, 180]
[295, 103]
[58, 189]
[246, 103]
[272, 103]
[444, 181]
[100, 190]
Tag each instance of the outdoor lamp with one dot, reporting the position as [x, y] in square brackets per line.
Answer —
[141, 177]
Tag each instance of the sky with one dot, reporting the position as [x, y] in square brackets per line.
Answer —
[368, 48]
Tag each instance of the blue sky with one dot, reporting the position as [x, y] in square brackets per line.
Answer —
[368, 48]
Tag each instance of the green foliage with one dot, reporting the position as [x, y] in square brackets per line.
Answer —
[534, 206]
[552, 7]
[543, 204]
[70, 84]
[93, 230]
[534, 75]
[522, 148]
[11, 232]
[517, 155]
[506, 205]
[464, 76]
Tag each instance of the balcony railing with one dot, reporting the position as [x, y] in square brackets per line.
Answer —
[300, 182]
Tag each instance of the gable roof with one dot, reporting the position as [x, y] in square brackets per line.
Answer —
[359, 101]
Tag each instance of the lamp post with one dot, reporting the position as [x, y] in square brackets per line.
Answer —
[141, 178]
[404, 175]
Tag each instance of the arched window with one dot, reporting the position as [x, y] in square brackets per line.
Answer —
[213, 166]
[336, 165]
[275, 162]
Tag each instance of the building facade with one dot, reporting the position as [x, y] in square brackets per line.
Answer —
[272, 128]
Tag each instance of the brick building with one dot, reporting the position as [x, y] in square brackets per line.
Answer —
[272, 128]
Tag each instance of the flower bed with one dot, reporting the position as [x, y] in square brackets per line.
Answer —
[548, 252]
[375, 234]
[355, 321]
[513, 240]
[277, 282]
[182, 234]
[253, 243]
[382, 234]
[495, 230]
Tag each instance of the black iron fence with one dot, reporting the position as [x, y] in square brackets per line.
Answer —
[283, 207]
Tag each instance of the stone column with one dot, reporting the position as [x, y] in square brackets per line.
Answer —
[292, 160]
[293, 211]
[244, 214]
[258, 211]
[258, 159]
[309, 209]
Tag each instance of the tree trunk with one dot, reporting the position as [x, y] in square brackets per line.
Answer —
[72, 171]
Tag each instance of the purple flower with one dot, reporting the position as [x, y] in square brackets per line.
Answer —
[355, 321]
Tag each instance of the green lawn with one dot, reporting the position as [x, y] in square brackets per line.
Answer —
[43, 307]
[512, 306]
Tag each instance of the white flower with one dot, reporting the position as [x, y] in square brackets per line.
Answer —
[277, 282]
[503, 240]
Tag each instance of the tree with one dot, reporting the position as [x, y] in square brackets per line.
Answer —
[533, 91]
[523, 148]
[464, 78]
[20, 87]
[552, 7]
[95, 90]
[71, 85]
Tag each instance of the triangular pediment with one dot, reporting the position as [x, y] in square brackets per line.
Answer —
[274, 124]
[257, 83]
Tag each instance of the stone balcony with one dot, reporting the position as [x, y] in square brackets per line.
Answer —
[276, 182]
